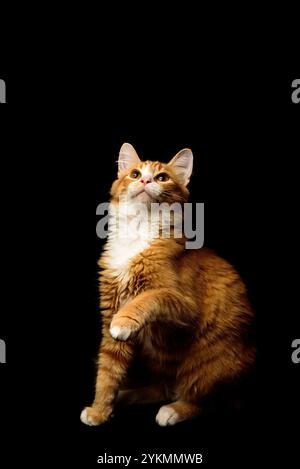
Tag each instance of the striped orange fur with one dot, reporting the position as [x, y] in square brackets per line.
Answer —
[174, 321]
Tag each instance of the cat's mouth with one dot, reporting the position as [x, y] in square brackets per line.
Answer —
[143, 194]
[140, 192]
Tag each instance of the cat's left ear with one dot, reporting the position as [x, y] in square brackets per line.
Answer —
[128, 157]
[182, 165]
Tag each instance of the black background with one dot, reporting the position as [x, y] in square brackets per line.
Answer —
[60, 139]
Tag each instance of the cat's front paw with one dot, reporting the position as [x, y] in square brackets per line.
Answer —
[93, 417]
[123, 328]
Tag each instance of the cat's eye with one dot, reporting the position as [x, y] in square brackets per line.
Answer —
[135, 173]
[162, 177]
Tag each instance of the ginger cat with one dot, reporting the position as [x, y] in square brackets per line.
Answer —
[174, 321]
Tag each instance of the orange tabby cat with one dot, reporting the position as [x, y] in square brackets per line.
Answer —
[174, 321]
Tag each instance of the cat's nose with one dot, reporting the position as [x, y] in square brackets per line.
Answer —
[146, 179]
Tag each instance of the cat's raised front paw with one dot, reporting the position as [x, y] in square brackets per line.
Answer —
[92, 417]
[120, 333]
[122, 328]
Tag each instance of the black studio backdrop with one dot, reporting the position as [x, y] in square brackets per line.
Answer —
[243, 136]
[242, 128]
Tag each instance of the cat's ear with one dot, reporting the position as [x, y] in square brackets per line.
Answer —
[128, 157]
[182, 165]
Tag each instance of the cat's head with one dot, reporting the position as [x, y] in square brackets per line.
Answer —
[152, 181]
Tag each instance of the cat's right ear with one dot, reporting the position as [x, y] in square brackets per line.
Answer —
[182, 165]
[128, 158]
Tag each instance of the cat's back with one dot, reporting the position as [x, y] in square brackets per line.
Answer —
[212, 281]
[206, 266]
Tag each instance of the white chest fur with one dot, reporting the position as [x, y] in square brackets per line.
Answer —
[131, 231]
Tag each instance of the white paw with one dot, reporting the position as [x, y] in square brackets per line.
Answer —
[120, 333]
[87, 419]
[167, 416]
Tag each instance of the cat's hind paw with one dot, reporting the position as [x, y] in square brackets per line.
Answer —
[167, 416]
